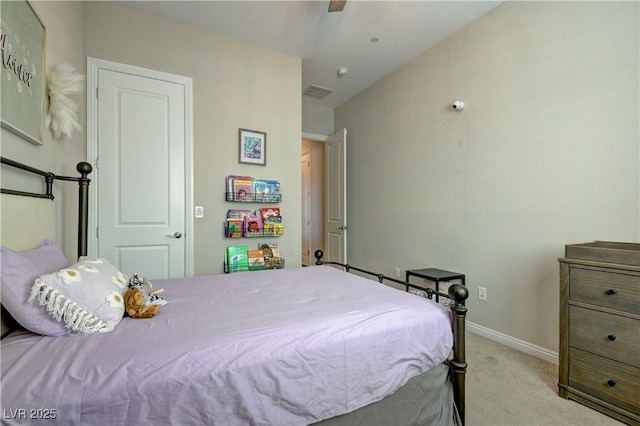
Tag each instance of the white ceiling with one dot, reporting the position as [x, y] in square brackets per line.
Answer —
[327, 41]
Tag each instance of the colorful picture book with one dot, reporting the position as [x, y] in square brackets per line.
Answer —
[268, 213]
[271, 221]
[230, 185]
[267, 190]
[260, 188]
[275, 250]
[253, 226]
[272, 228]
[278, 229]
[238, 213]
[237, 258]
[256, 260]
[235, 228]
[271, 254]
[242, 190]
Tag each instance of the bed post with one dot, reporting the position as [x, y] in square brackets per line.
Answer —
[459, 293]
[83, 206]
[84, 169]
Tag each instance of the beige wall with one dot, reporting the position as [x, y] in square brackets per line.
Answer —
[317, 119]
[63, 43]
[235, 85]
[546, 153]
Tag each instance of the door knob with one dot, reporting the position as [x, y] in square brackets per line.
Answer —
[175, 235]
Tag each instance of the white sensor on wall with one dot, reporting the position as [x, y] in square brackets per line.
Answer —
[458, 106]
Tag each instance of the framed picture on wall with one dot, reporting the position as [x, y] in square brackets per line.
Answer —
[252, 147]
[22, 84]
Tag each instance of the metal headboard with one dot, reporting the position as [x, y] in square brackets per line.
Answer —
[83, 194]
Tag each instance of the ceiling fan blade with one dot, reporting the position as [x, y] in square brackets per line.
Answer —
[336, 5]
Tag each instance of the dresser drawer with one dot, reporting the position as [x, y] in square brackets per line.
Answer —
[611, 381]
[605, 334]
[620, 290]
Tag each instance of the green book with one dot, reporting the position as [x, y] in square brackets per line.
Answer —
[237, 259]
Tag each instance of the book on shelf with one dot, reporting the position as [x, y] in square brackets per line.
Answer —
[229, 185]
[259, 189]
[238, 213]
[242, 190]
[269, 212]
[271, 221]
[253, 226]
[273, 226]
[275, 249]
[267, 190]
[237, 258]
[234, 228]
[267, 229]
[256, 260]
[271, 192]
[271, 254]
[278, 229]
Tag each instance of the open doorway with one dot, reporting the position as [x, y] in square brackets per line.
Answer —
[312, 163]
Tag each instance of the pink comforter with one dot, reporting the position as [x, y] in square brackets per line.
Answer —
[282, 347]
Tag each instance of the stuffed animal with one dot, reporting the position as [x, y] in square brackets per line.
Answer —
[140, 301]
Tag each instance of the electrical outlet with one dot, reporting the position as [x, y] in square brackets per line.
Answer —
[396, 271]
[482, 293]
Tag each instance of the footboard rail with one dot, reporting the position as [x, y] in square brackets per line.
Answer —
[457, 293]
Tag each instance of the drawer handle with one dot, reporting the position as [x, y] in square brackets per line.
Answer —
[611, 292]
[611, 337]
[611, 382]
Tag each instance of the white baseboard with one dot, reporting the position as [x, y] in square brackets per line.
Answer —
[513, 342]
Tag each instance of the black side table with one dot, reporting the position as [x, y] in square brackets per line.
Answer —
[435, 275]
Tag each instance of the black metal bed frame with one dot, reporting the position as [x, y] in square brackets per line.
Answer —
[84, 169]
[457, 293]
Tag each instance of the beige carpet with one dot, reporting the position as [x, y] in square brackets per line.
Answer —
[509, 387]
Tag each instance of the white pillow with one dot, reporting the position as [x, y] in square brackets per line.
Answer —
[88, 296]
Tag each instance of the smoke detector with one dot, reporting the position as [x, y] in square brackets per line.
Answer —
[343, 71]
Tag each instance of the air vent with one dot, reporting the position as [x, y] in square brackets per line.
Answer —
[317, 92]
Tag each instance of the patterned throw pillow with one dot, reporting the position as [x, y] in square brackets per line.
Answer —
[88, 296]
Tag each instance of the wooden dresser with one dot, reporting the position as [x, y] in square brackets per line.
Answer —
[600, 328]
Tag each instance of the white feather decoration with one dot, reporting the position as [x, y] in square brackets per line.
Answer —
[63, 81]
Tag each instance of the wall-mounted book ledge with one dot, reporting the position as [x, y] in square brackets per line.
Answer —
[243, 259]
[246, 189]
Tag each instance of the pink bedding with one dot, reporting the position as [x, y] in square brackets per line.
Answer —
[290, 346]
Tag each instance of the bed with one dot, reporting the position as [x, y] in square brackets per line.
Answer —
[316, 345]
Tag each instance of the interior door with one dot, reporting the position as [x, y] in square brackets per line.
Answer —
[336, 198]
[306, 209]
[141, 170]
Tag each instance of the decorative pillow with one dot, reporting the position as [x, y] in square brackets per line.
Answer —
[87, 296]
[19, 270]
